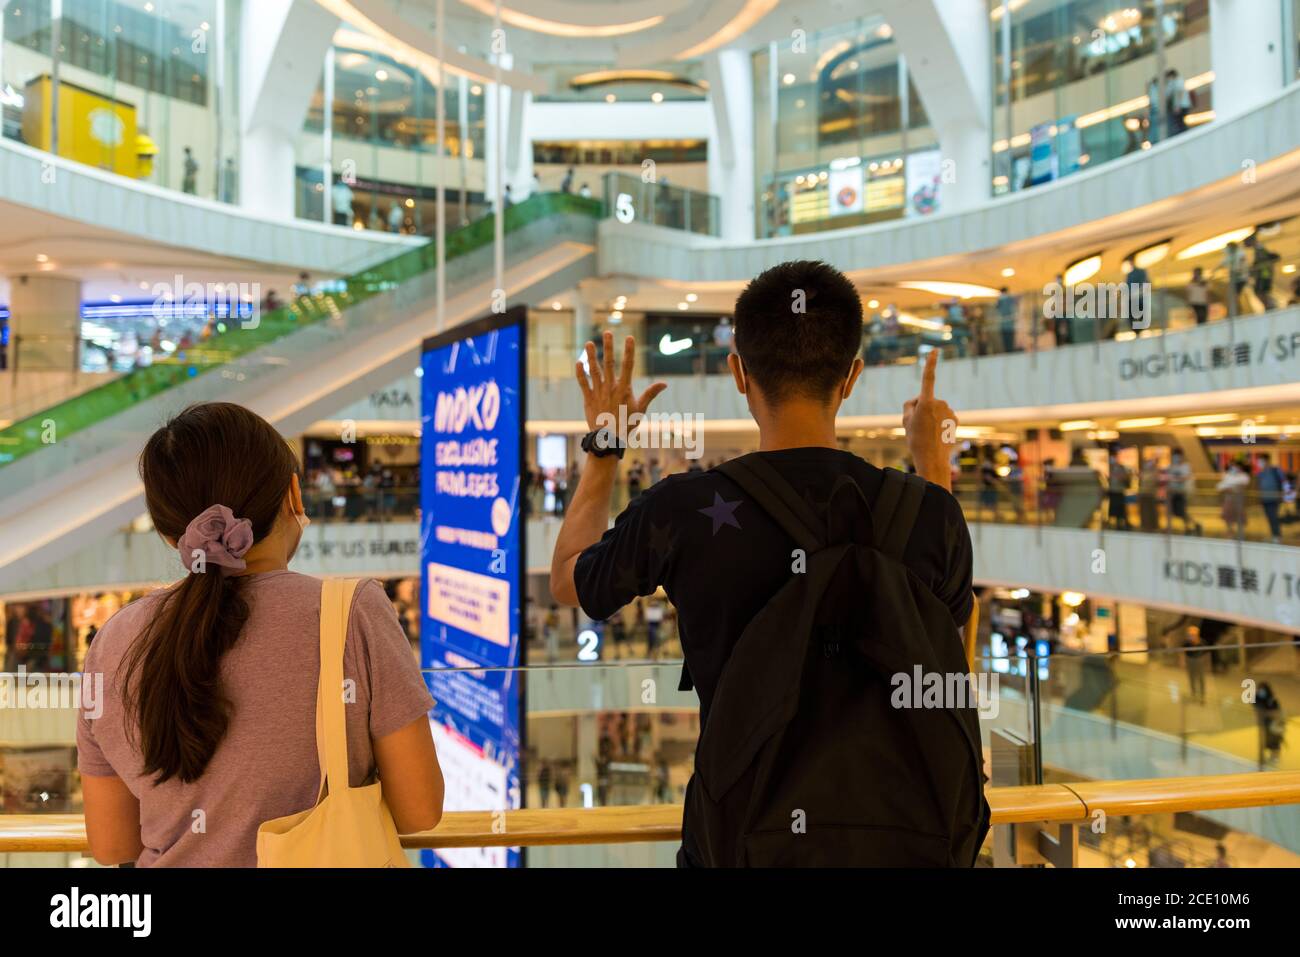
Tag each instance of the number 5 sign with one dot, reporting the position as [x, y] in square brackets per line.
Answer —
[623, 208]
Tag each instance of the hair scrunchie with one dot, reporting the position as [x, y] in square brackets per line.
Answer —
[222, 538]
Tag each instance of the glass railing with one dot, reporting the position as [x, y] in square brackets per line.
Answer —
[630, 199]
[1078, 498]
[1069, 498]
[362, 501]
[1233, 282]
[226, 342]
[617, 733]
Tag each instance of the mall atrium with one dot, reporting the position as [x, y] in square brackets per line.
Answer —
[337, 213]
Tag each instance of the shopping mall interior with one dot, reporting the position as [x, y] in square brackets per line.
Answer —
[1090, 210]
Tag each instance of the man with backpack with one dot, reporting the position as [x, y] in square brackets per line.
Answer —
[1271, 483]
[815, 595]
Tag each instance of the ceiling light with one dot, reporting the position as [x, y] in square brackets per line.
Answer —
[42, 258]
[1008, 273]
[610, 97]
[683, 306]
[873, 303]
[1073, 599]
[1204, 419]
[657, 97]
[788, 79]
[691, 297]
[1148, 257]
[1082, 270]
[556, 305]
[1077, 425]
[1147, 423]
[476, 90]
[962, 290]
[381, 75]
[1215, 243]
[557, 28]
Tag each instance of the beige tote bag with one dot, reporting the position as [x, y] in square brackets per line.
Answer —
[348, 827]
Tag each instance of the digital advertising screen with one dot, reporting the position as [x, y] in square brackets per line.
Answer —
[472, 566]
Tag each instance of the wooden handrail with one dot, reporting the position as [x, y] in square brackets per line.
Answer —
[640, 823]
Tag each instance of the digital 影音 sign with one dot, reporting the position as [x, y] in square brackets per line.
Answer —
[472, 565]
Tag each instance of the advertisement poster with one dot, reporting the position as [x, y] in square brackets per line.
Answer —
[846, 190]
[471, 570]
[1042, 154]
[924, 178]
[1069, 145]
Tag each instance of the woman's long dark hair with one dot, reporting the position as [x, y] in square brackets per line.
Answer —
[215, 453]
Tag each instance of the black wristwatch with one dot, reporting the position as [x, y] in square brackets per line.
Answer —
[602, 442]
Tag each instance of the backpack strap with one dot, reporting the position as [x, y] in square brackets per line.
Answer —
[896, 510]
[777, 497]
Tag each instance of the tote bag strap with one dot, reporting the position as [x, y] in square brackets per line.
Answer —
[331, 722]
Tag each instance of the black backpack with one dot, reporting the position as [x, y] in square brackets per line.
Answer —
[804, 760]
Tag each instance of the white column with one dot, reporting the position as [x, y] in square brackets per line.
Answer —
[282, 47]
[1246, 53]
[517, 155]
[731, 148]
[582, 317]
[949, 57]
[44, 323]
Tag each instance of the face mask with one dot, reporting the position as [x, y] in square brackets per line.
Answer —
[303, 521]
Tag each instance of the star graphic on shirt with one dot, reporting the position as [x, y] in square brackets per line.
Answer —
[627, 581]
[722, 513]
[661, 541]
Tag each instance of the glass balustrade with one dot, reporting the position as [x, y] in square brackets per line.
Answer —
[614, 731]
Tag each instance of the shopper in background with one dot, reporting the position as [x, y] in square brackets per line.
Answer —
[1272, 724]
[210, 685]
[1181, 486]
[1232, 487]
[1262, 270]
[190, 173]
[1148, 495]
[1006, 307]
[1238, 276]
[1198, 663]
[1117, 484]
[1178, 102]
[1198, 296]
[341, 200]
[1271, 484]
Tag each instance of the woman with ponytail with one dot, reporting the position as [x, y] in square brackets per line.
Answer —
[207, 723]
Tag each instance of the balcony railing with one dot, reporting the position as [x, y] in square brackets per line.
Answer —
[1037, 809]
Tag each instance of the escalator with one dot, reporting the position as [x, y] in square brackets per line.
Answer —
[67, 474]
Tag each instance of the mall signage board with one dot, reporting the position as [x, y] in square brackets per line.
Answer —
[472, 391]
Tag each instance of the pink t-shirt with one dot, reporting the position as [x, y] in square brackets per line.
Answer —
[266, 766]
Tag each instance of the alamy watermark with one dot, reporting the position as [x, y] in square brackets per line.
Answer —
[656, 430]
[948, 690]
[241, 301]
[38, 691]
[1129, 302]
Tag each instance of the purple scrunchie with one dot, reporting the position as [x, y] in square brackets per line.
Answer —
[223, 539]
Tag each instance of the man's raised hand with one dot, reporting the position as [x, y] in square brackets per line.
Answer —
[604, 393]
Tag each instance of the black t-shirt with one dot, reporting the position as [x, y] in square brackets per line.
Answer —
[720, 558]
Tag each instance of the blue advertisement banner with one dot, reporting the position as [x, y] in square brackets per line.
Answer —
[471, 578]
